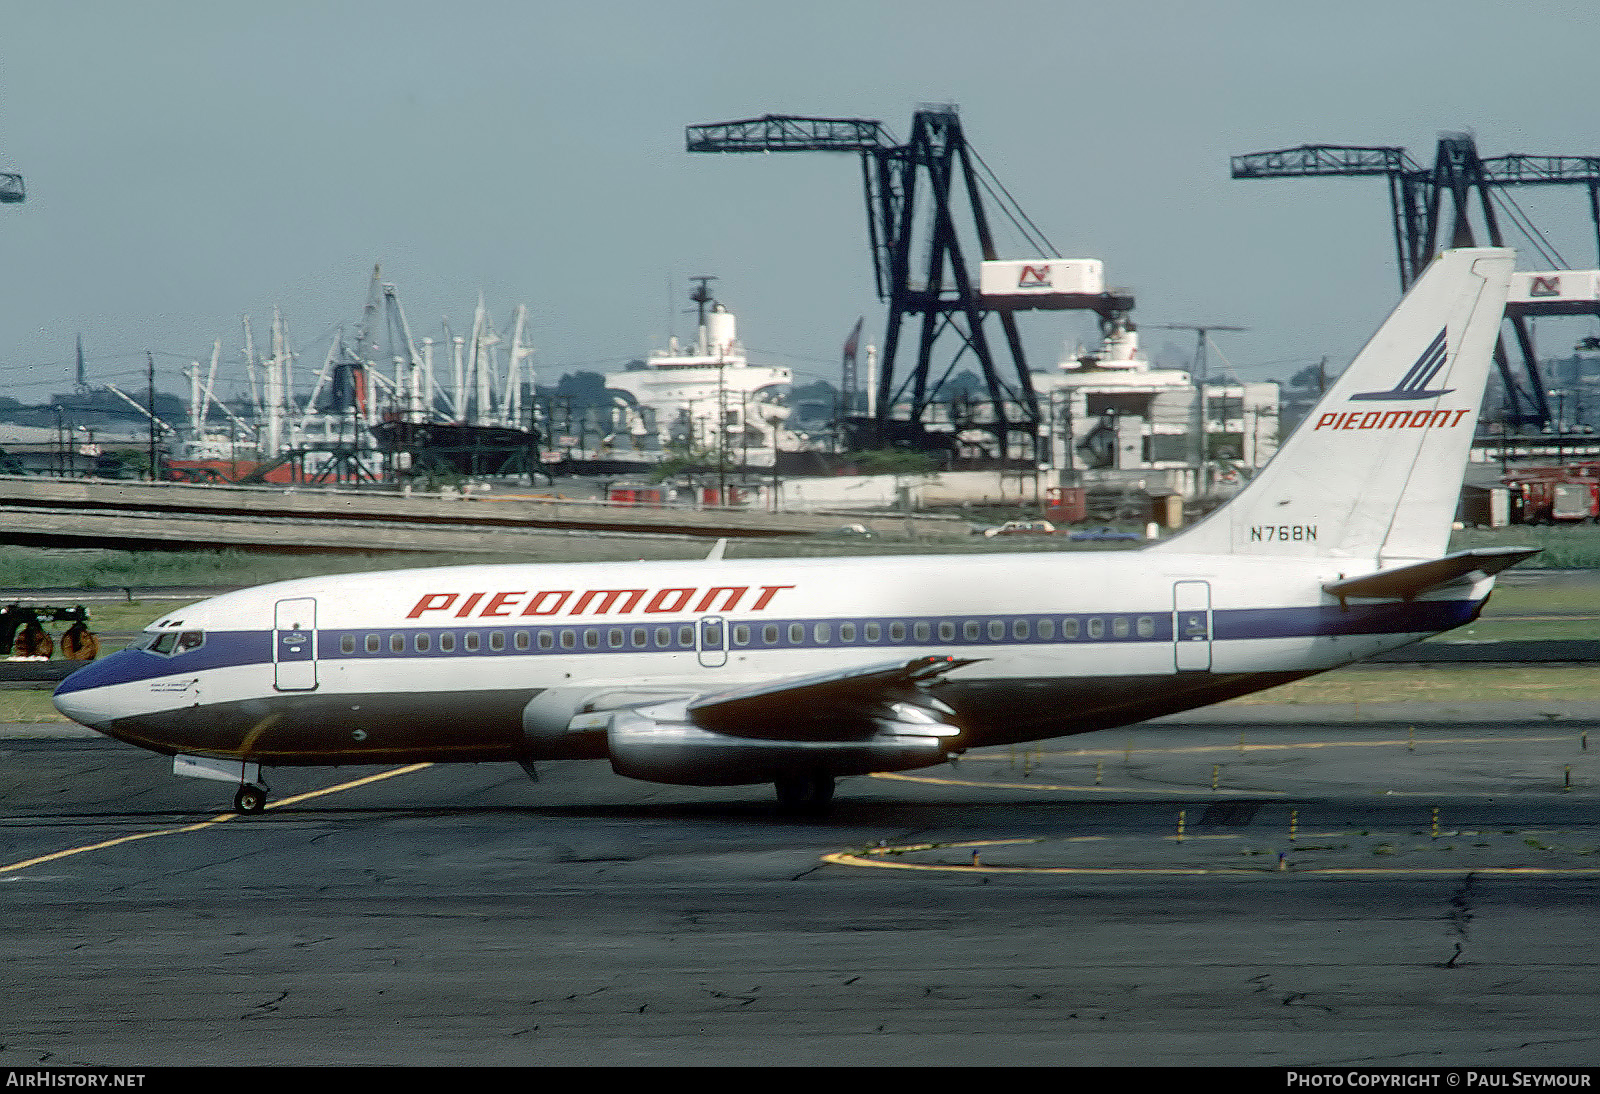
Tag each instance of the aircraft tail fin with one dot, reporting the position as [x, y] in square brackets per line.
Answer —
[1375, 469]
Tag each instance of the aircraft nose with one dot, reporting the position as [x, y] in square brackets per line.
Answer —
[85, 696]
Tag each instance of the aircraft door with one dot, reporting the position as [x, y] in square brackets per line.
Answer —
[712, 641]
[294, 645]
[1191, 625]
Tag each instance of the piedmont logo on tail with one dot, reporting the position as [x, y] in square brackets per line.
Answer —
[1414, 384]
[798, 672]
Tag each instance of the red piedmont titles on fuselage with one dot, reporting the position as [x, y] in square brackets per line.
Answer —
[521, 603]
[1392, 419]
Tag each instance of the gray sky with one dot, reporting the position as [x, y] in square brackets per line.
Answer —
[190, 163]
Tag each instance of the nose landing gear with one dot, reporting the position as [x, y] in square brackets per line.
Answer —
[252, 794]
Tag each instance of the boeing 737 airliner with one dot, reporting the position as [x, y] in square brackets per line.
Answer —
[797, 672]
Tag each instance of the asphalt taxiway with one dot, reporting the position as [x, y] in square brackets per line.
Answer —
[1354, 891]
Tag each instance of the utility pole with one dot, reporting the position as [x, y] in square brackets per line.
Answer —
[61, 444]
[150, 376]
[1202, 455]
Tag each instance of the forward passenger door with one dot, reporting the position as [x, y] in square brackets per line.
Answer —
[294, 645]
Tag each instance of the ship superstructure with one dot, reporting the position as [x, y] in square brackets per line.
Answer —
[706, 399]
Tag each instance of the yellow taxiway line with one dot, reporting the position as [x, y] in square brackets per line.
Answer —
[847, 858]
[221, 819]
[1402, 742]
[1167, 791]
[876, 857]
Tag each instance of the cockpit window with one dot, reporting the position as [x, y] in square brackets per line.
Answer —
[170, 643]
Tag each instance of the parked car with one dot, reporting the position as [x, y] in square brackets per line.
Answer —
[1105, 535]
[1022, 528]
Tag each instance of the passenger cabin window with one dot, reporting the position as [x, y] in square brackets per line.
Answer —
[347, 643]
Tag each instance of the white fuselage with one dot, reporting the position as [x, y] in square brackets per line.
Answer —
[452, 662]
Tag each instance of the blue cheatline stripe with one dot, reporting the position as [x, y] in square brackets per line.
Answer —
[221, 650]
[633, 636]
[1417, 617]
[965, 632]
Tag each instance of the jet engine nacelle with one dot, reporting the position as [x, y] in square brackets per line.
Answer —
[562, 723]
[659, 744]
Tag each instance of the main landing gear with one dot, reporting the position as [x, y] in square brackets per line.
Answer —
[252, 794]
[807, 794]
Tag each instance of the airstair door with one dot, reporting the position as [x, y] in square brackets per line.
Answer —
[294, 645]
[1191, 625]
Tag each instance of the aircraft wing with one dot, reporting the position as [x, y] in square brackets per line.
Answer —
[846, 703]
[1409, 582]
[840, 705]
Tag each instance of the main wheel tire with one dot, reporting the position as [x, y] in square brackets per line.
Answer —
[808, 794]
[250, 799]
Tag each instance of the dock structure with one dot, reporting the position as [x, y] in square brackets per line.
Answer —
[175, 516]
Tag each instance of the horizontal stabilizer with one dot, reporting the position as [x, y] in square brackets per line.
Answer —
[1408, 582]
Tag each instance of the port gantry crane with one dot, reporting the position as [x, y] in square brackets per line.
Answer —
[1416, 196]
[938, 164]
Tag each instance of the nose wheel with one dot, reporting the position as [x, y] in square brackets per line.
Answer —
[250, 799]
